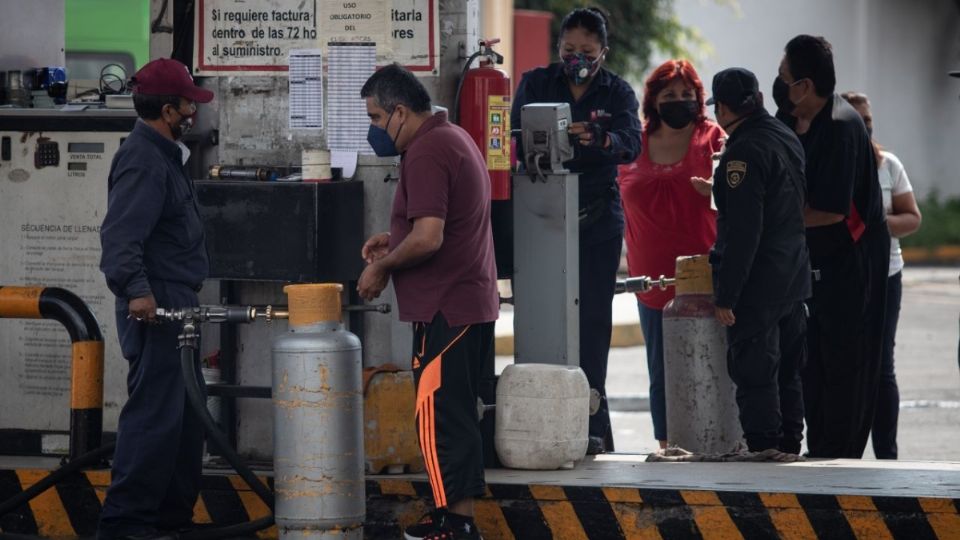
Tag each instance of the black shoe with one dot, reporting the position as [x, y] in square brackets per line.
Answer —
[595, 446]
[438, 525]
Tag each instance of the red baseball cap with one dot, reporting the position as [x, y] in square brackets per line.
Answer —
[168, 77]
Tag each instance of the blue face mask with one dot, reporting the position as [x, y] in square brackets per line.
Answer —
[380, 140]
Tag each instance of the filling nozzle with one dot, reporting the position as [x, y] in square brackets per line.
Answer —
[222, 314]
[245, 314]
[643, 284]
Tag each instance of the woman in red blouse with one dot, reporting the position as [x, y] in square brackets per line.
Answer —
[666, 201]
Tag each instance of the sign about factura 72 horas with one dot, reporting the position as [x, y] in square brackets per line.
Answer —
[254, 37]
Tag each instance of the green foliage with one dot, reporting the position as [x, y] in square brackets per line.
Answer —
[940, 225]
[637, 29]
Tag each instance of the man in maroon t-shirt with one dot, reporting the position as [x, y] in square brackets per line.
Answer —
[439, 252]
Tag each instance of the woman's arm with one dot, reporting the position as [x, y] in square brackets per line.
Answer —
[904, 217]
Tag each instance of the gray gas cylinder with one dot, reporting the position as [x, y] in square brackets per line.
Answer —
[702, 413]
[318, 426]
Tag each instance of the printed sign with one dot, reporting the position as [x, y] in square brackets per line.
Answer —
[498, 133]
[251, 38]
[240, 37]
[416, 35]
[360, 21]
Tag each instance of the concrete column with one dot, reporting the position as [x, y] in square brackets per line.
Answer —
[497, 22]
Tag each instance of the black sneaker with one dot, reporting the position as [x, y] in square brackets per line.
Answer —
[438, 525]
[426, 525]
[467, 532]
[595, 445]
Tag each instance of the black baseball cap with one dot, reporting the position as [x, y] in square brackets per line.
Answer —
[733, 85]
[955, 74]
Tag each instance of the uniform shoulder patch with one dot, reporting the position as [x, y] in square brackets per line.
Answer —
[736, 172]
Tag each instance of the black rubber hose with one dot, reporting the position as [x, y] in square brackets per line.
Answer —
[85, 460]
[455, 113]
[199, 404]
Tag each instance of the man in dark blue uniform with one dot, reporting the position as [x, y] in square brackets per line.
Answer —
[154, 254]
[849, 251]
[760, 263]
[607, 128]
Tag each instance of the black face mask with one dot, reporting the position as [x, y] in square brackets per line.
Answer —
[781, 96]
[678, 114]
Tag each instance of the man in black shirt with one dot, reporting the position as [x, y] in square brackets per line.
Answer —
[760, 263]
[849, 251]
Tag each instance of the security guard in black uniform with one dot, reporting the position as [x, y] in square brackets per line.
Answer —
[154, 254]
[761, 269]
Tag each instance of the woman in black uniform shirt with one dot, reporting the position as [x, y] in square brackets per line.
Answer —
[606, 125]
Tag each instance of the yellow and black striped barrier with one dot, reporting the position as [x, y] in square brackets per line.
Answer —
[86, 378]
[535, 512]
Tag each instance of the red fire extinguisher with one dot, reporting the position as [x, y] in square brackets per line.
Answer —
[483, 110]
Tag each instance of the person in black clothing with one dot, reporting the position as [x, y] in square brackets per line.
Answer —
[154, 254]
[760, 262]
[606, 125]
[849, 251]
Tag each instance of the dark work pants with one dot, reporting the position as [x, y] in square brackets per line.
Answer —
[651, 323]
[766, 351]
[448, 364]
[157, 462]
[884, 431]
[598, 277]
[844, 337]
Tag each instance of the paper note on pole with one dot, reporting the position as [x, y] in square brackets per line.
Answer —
[349, 65]
[306, 89]
[240, 37]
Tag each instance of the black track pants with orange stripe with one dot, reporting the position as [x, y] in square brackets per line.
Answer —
[447, 366]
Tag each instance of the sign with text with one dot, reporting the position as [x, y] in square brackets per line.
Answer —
[358, 21]
[241, 37]
[237, 37]
[415, 35]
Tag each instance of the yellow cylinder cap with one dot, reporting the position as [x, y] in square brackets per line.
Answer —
[312, 303]
[693, 275]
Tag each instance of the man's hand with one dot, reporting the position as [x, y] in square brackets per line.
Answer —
[702, 185]
[372, 281]
[376, 247]
[143, 309]
[590, 134]
[725, 316]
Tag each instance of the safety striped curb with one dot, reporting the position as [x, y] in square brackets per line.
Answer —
[580, 513]
[72, 507]
[517, 511]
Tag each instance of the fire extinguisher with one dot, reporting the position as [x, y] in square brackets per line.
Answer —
[482, 108]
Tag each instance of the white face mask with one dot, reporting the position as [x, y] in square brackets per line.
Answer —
[184, 152]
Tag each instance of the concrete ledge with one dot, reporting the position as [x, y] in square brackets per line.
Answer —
[610, 497]
[938, 255]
